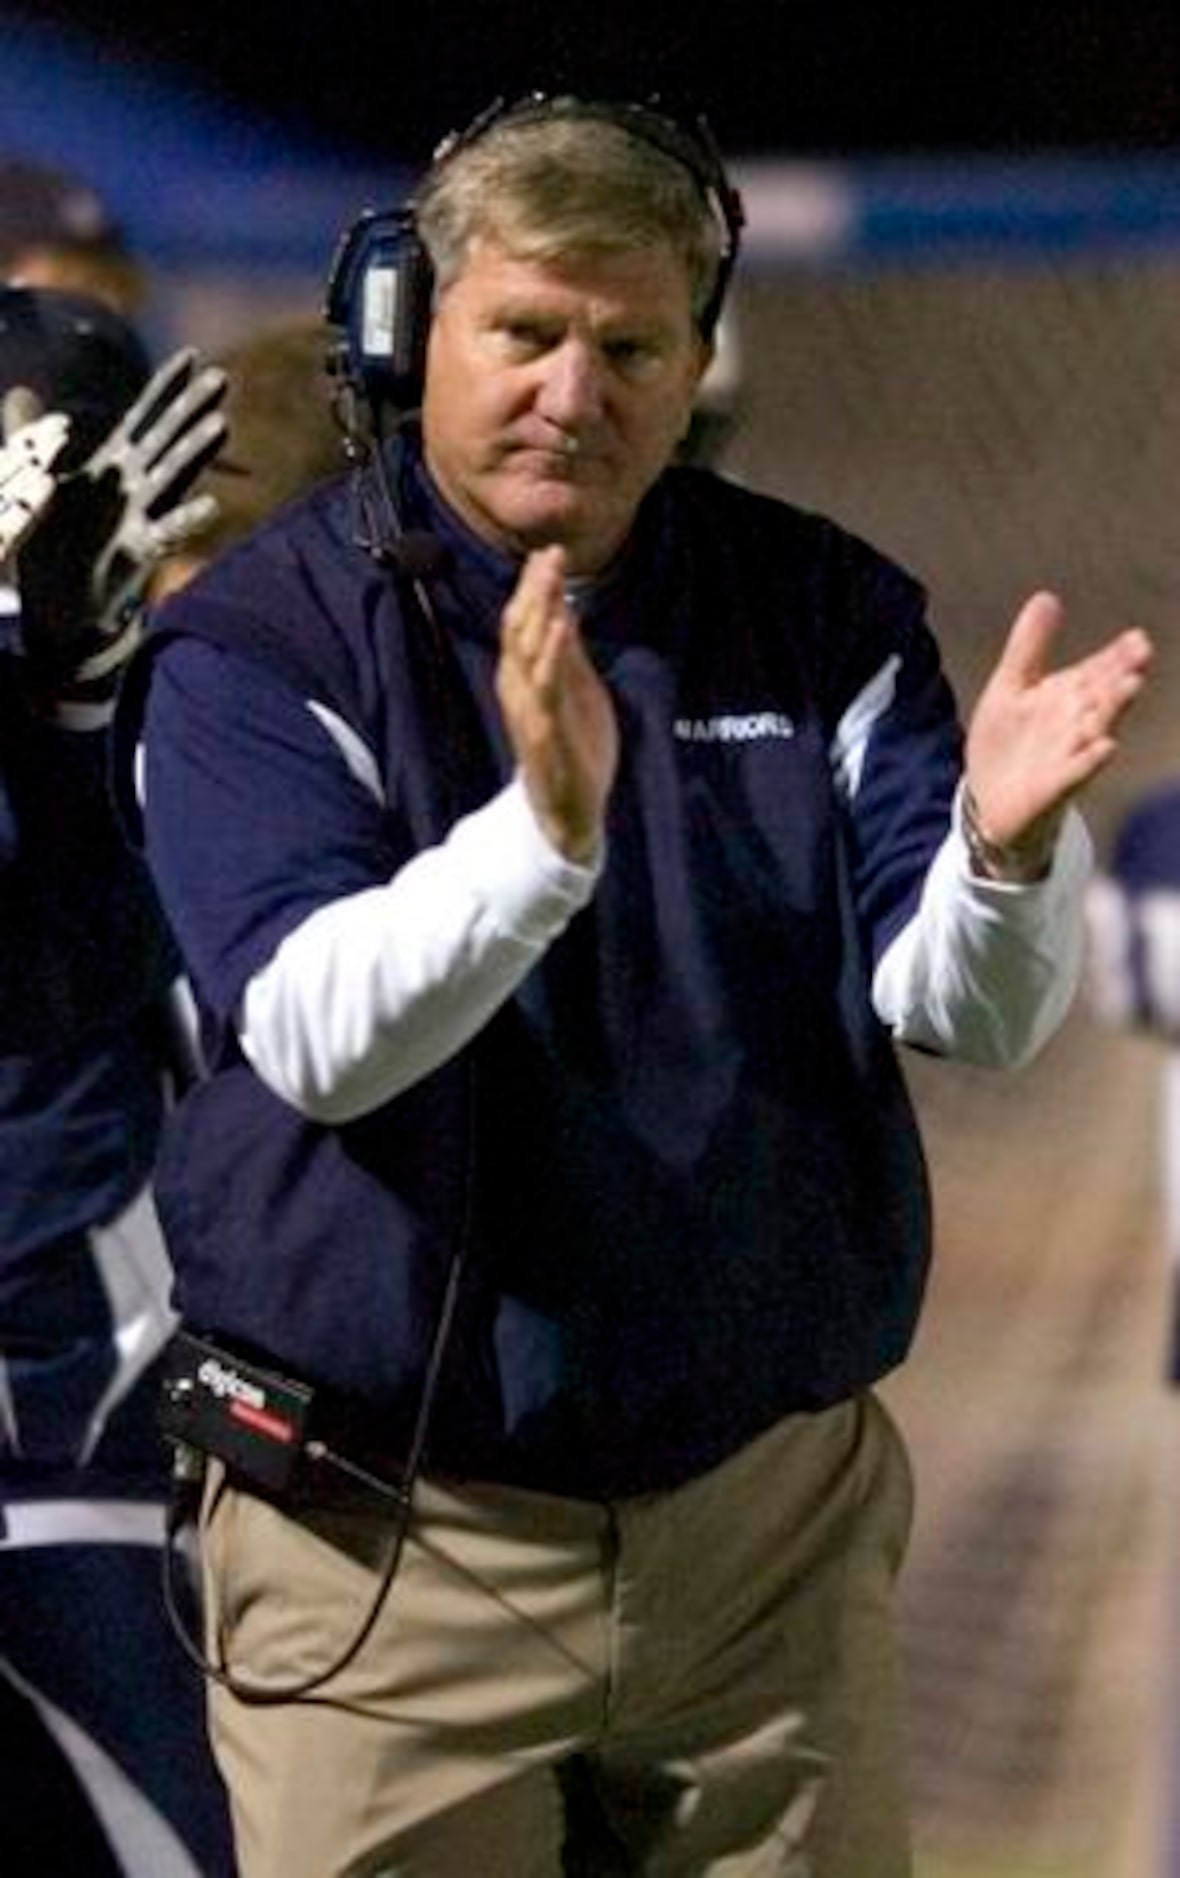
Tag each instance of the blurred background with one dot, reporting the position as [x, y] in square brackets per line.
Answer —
[956, 327]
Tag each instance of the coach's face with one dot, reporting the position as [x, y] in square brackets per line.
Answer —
[557, 392]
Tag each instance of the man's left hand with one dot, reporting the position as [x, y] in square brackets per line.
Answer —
[1039, 734]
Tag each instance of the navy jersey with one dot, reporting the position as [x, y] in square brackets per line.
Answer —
[107, 1767]
[85, 966]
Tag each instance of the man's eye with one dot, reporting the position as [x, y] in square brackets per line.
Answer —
[631, 355]
[522, 336]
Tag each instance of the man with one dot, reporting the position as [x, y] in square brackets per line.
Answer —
[556, 839]
[106, 1764]
[56, 231]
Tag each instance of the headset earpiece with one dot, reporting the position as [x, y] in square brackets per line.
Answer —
[378, 305]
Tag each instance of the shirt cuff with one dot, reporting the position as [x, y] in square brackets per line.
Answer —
[515, 869]
[1069, 867]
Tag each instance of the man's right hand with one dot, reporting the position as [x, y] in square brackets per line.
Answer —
[558, 713]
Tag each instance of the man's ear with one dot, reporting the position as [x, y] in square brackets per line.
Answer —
[702, 359]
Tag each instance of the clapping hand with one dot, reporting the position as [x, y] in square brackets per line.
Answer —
[1042, 731]
[557, 711]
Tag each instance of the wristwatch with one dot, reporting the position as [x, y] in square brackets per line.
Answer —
[1016, 863]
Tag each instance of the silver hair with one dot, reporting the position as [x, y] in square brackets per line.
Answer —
[558, 185]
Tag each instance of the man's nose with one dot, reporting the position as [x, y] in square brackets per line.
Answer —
[572, 389]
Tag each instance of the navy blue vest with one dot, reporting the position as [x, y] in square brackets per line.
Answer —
[681, 1161]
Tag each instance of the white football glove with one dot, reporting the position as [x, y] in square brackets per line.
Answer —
[27, 455]
[84, 569]
[157, 450]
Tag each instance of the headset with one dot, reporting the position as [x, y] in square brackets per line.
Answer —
[380, 285]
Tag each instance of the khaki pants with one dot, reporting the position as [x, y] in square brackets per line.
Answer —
[718, 1661]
